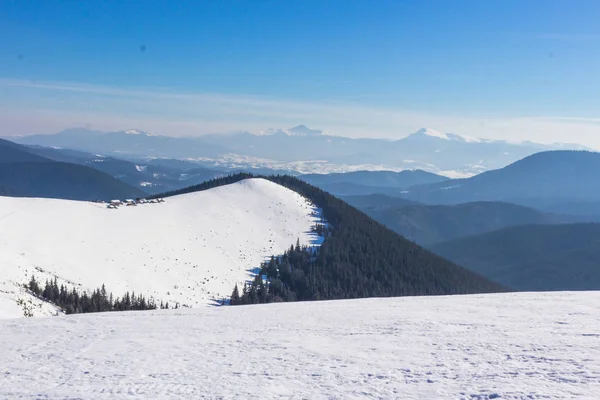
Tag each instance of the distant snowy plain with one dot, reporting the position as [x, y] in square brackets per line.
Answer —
[505, 346]
[190, 250]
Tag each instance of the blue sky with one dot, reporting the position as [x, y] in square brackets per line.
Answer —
[505, 69]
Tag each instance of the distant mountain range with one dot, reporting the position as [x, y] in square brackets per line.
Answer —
[544, 180]
[11, 152]
[534, 257]
[301, 150]
[483, 222]
[371, 182]
[431, 224]
[388, 179]
[376, 202]
[150, 177]
[24, 173]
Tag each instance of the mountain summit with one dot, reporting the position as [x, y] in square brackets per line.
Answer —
[300, 130]
[303, 130]
[428, 133]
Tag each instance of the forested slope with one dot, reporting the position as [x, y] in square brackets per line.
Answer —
[358, 258]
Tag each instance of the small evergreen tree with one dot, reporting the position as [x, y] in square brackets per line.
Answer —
[235, 296]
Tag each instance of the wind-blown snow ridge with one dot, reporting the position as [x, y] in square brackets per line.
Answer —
[191, 249]
[506, 346]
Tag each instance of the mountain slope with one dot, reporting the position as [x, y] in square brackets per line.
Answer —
[151, 178]
[376, 201]
[11, 152]
[64, 181]
[428, 225]
[504, 346]
[24, 173]
[364, 183]
[131, 142]
[191, 249]
[388, 179]
[554, 175]
[356, 189]
[535, 257]
[5, 191]
[358, 258]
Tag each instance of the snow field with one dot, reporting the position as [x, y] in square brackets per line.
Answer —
[503, 346]
[192, 249]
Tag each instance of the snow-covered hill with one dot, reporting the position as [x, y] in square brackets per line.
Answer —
[506, 346]
[191, 249]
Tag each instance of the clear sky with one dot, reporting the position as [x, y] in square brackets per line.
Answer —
[508, 69]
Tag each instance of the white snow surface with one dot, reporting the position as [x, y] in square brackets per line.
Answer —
[191, 249]
[505, 346]
[15, 301]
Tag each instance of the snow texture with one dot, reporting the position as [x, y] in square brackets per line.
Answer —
[192, 249]
[15, 301]
[507, 346]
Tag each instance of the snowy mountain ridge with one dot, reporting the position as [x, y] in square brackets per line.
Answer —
[300, 130]
[190, 250]
[429, 149]
[432, 134]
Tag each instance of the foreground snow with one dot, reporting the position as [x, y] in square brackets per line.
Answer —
[509, 346]
[191, 249]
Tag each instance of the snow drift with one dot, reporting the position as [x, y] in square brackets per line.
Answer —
[192, 249]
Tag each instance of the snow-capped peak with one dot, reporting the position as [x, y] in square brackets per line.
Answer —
[137, 132]
[303, 130]
[460, 138]
[300, 130]
[432, 133]
[134, 132]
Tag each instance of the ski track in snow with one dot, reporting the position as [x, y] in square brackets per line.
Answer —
[192, 249]
[505, 346]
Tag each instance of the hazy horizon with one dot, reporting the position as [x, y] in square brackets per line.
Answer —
[509, 71]
[272, 130]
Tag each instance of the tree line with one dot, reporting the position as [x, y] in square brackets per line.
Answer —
[210, 184]
[359, 257]
[76, 302]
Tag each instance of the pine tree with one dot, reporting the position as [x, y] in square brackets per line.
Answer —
[34, 286]
[235, 296]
